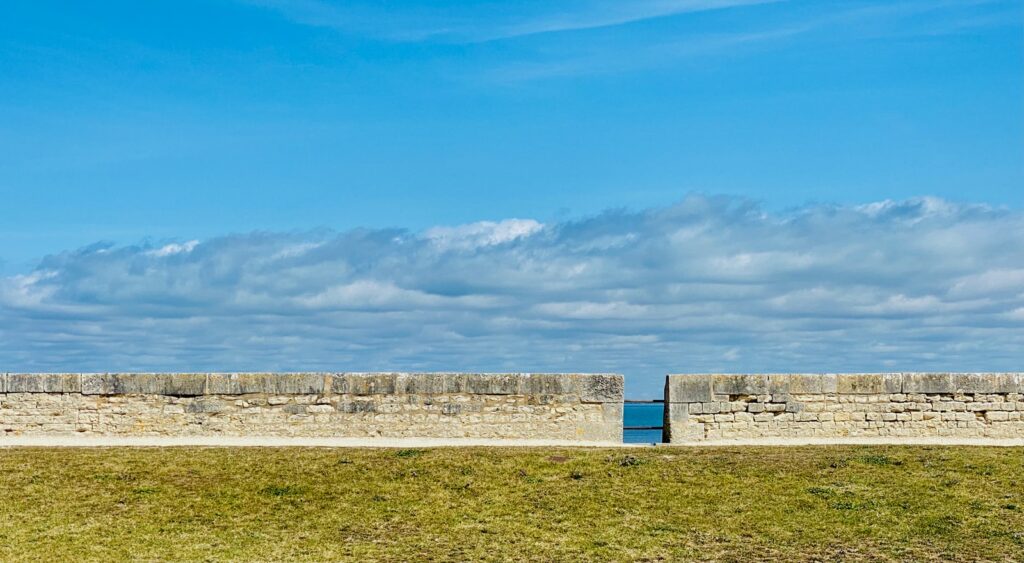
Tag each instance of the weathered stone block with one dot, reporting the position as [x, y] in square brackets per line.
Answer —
[364, 383]
[135, 383]
[239, 383]
[42, 383]
[178, 384]
[987, 383]
[94, 384]
[451, 409]
[265, 383]
[352, 407]
[299, 383]
[684, 433]
[868, 383]
[185, 384]
[606, 428]
[205, 406]
[740, 384]
[456, 383]
[612, 413]
[928, 383]
[677, 412]
[271, 384]
[533, 384]
[600, 388]
[801, 383]
[677, 420]
[688, 389]
[422, 383]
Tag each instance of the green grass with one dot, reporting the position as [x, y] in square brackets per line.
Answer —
[727, 504]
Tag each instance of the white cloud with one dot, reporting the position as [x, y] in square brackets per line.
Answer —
[26, 290]
[171, 249]
[1000, 280]
[483, 233]
[710, 283]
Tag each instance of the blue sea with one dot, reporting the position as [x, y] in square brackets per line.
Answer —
[643, 414]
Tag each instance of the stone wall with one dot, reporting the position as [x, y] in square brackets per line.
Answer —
[564, 407]
[918, 405]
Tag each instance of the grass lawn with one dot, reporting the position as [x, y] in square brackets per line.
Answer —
[794, 503]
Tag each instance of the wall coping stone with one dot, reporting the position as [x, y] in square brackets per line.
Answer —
[701, 388]
[589, 388]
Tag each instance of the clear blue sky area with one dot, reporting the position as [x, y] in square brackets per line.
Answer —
[642, 186]
[124, 119]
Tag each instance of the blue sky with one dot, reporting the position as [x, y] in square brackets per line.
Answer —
[157, 151]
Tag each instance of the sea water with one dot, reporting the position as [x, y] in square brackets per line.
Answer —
[642, 414]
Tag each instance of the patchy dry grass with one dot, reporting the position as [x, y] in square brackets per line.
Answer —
[809, 503]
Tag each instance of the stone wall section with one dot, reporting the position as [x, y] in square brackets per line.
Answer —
[918, 405]
[570, 407]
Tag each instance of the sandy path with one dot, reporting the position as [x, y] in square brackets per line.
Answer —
[257, 441]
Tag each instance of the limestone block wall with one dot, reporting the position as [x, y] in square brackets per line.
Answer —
[919, 405]
[576, 407]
